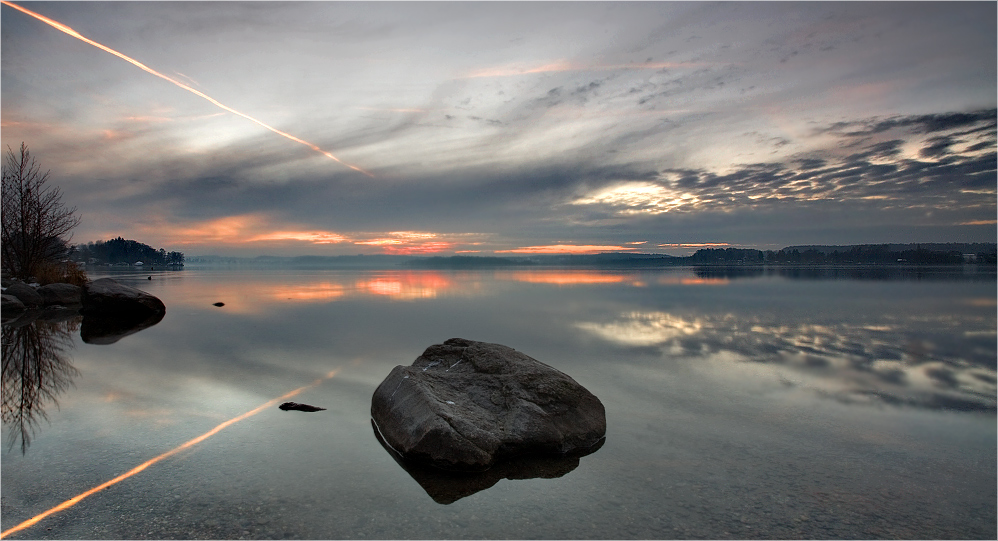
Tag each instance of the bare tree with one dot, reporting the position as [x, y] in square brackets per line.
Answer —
[36, 224]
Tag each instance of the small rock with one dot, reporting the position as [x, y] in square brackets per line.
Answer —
[299, 407]
[219, 304]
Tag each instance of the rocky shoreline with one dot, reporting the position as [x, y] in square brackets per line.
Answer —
[110, 310]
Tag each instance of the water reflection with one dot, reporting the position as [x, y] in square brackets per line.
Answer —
[37, 366]
[447, 487]
[880, 273]
[412, 285]
[569, 277]
[901, 361]
[104, 330]
[408, 285]
[36, 370]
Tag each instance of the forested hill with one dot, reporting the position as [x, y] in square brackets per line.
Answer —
[119, 250]
[962, 247]
[865, 254]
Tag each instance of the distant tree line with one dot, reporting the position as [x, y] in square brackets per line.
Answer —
[119, 250]
[866, 254]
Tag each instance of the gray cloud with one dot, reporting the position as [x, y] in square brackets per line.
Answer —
[495, 118]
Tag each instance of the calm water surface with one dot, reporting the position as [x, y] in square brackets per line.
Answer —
[738, 406]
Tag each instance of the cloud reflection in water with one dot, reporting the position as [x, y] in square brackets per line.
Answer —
[887, 362]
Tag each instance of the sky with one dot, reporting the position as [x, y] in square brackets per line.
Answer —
[501, 128]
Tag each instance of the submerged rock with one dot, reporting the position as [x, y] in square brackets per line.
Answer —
[463, 405]
[107, 297]
[62, 294]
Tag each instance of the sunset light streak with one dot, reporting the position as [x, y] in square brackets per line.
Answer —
[77, 499]
[67, 30]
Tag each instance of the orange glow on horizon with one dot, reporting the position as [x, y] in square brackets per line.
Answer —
[420, 248]
[409, 243]
[67, 30]
[76, 499]
[564, 249]
[314, 237]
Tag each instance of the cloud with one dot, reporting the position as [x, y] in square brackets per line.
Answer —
[591, 122]
[564, 65]
[882, 172]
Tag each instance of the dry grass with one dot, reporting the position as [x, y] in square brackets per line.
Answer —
[64, 272]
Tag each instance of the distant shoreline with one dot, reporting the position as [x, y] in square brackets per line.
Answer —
[925, 255]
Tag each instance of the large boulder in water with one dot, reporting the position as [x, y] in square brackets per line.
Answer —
[463, 405]
[61, 294]
[107, 297]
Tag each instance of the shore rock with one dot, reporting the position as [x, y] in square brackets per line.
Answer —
[464, 405]
[25, 293]
[63, 294]
[11, 306]
[107, 297]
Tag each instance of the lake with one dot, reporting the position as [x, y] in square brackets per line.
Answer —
[740, 404]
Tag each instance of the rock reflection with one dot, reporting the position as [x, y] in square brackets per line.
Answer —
[942, 363]
[447, 487]
[36, 370]
[104, 330]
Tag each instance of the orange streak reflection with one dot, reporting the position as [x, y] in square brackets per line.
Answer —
[76, 499]
[567, 277]
[67, 30]
[309, 292]
[408, 285]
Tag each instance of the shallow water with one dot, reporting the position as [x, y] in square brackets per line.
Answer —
[739, 405]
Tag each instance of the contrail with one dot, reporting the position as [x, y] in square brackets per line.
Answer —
[76, 499]
[63, 28]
